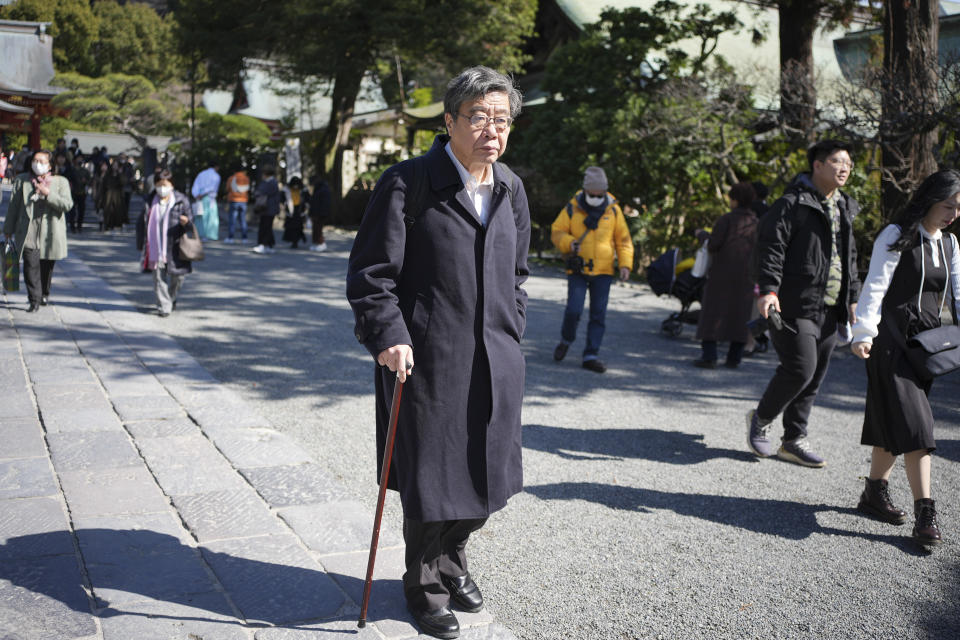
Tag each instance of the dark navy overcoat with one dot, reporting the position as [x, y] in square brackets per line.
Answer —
[452, 289]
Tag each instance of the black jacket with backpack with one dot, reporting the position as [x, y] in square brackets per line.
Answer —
[794, 249]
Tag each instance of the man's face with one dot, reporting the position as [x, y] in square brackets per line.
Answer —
[479, 146]
[834, 171]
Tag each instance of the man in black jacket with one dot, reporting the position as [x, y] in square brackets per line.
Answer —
[807, 272]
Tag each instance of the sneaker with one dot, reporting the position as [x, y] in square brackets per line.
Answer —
[560, 352]
[594, 365]
[798, 451]
[259, 249]
[758, 435]
[319, 248]
[228, 241]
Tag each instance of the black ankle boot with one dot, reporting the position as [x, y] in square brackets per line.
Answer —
[875, 501]
[925, 531]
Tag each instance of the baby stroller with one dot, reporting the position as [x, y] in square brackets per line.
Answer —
[668, 276]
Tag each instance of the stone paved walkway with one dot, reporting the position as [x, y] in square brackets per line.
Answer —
[141, 499]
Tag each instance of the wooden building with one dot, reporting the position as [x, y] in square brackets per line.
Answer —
[25, 91]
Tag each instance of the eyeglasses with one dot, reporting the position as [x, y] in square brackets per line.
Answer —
[842, 163]
[480, 121]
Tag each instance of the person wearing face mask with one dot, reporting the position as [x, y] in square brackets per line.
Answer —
[164, 220]
[592, 227]
[36, 222]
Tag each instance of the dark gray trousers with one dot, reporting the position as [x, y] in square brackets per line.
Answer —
[804, 358]
[434, 549]
[37, 275]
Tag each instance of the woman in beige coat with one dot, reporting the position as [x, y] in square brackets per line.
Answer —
[36, 222]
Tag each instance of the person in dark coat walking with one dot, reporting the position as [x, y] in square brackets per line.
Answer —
[436, 273]
[728, 294]
[165, 218]
[266, 206]
[914, 276]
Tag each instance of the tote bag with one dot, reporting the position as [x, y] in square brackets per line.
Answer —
[11, 267]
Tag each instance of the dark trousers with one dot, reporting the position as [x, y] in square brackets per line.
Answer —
[734, 352]
[265, 232]
[804, 358]
[434, 549]
[577, 286]
[79, 210]
[316, 231]
[37, 274]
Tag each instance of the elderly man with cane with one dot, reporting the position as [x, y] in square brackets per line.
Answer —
[435, 278]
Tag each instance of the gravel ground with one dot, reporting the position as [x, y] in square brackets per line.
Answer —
[643, 515]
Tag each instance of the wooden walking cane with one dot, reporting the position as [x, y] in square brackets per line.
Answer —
[384, 474]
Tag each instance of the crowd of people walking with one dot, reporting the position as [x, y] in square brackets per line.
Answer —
[51, 190]
[794, 264]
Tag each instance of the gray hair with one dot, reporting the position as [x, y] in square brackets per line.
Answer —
[475, 83]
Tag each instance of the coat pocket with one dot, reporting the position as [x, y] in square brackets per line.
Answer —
[420, 319]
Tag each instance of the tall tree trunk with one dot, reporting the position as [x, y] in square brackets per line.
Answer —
[908, 129]
[798, 94]
[328, 153]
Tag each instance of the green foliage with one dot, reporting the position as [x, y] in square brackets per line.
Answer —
[672, 130]
[134, 40]
[227, 139]
[128, 38]
[116, 102]
[74, 28]
[214, 37]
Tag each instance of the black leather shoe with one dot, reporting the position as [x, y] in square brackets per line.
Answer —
[705, 364]
[43, 301]
[33, 307]
[439, 623]
[875, 501]
[464, 592]
[560, 352]
[594, 365]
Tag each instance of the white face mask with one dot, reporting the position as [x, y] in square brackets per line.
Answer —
[164, 190]
[40, 168]
[594, 201]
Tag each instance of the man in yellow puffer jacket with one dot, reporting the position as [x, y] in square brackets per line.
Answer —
[592, 227]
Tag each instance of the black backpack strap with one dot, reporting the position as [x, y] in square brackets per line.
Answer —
[413, 202]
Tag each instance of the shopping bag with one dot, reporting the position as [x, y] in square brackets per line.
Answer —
[702, 262]
[11, 267]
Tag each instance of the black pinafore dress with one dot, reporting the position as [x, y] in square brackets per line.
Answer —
[898, 416]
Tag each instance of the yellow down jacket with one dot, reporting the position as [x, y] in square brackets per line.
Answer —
[598, 248]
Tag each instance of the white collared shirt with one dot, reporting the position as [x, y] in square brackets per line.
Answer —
[481, 193]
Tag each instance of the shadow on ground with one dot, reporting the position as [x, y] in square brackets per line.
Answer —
[781, 518]
[131, 567]
[656, 445]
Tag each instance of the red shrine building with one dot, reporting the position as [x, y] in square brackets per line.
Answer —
[25, 92]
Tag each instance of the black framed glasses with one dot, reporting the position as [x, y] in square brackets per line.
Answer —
[481, 121]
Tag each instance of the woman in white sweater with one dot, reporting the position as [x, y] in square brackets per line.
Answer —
[914, 269]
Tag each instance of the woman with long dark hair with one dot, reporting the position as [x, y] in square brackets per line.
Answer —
[913, 268]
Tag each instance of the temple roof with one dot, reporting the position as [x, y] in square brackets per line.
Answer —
[27, 53]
